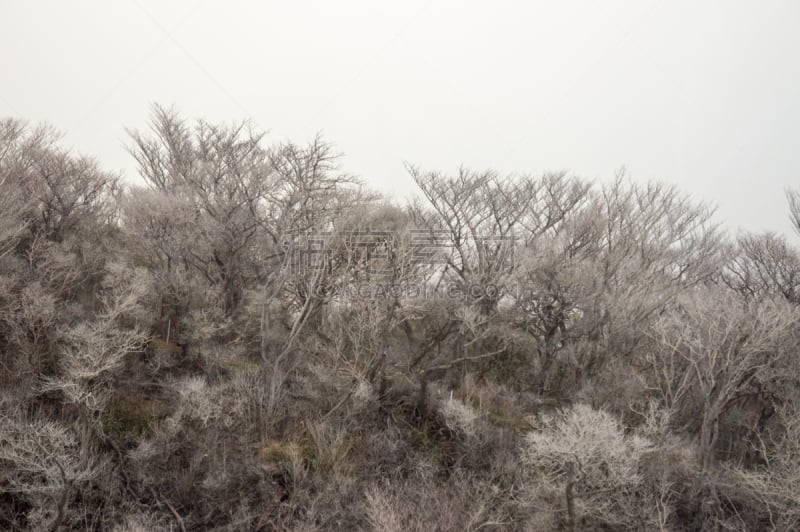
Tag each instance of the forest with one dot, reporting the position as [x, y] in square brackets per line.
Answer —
[252, 339]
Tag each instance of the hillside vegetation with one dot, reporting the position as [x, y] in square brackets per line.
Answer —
[253, 340]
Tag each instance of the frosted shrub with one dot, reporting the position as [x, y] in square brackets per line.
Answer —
[584, 454]
[458, 416]
[591, 439]
[41, 462]
[198, 400]
[364, 393]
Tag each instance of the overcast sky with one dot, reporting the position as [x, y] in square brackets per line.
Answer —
[704, 95]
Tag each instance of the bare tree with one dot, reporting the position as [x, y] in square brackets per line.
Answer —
[584, 293]
[219, 174]
[377, 272]
[480, 224]
[480, 217]
[763, 266]
[793, 196]
[19, 148]
[715, 351]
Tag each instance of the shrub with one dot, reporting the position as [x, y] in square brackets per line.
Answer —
[584, 454]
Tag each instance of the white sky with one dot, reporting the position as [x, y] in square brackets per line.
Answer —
[705, 95]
